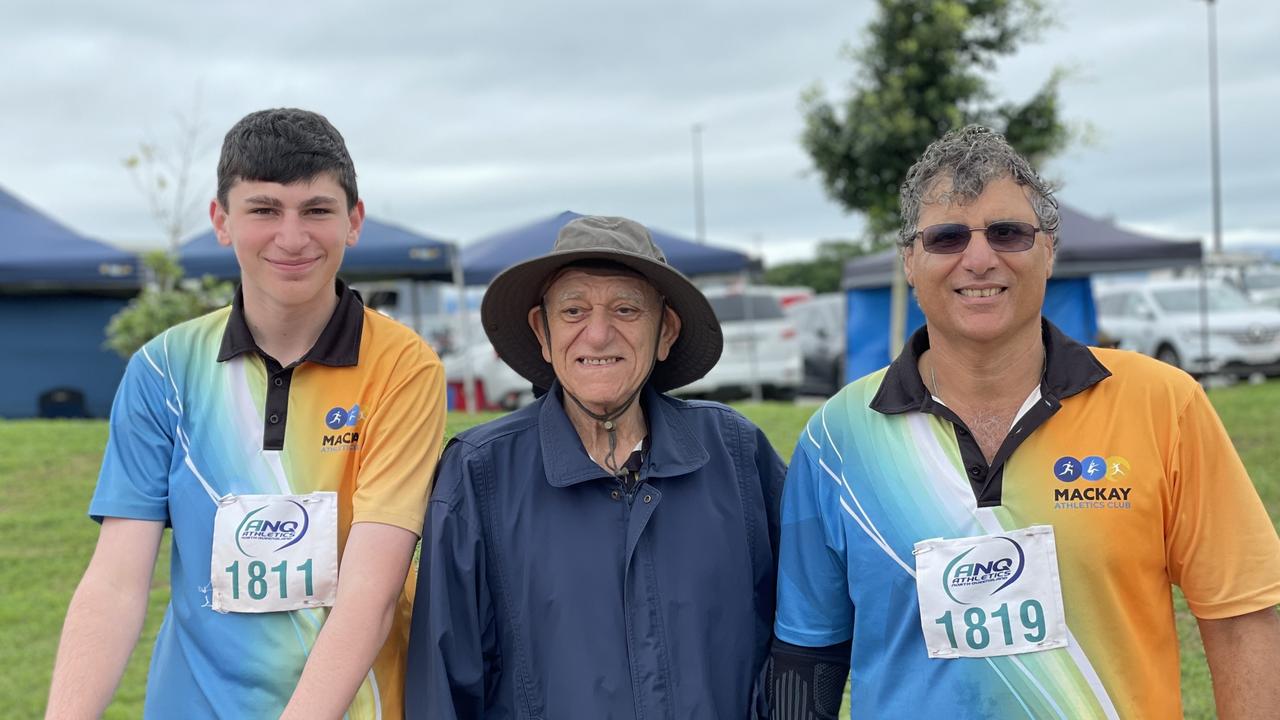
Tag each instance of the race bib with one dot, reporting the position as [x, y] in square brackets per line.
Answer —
[991, 594]
[275, 552]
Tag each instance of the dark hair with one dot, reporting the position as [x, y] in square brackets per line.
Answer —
[284, 145]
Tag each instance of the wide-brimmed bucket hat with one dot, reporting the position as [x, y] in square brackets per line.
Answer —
[505, 308]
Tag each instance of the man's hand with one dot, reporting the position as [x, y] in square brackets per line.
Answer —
[1243, 654]
[375, 563]
[104, 618]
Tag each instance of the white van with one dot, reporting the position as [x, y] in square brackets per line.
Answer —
[761, 345]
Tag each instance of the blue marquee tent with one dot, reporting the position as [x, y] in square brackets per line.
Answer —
[58, 289]
[1087, 245]
[41, 253]
[483, 259]
[384, 251]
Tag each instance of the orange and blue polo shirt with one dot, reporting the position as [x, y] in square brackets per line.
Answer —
[1122, 455]
[203, 413]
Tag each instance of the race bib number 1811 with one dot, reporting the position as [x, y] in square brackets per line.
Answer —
[990, 594]
[275, 552]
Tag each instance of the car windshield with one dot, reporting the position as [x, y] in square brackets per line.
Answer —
[733, 308]
[1262, 282]
[1187, 300]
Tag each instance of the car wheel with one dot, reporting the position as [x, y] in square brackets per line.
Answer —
[1166, 354]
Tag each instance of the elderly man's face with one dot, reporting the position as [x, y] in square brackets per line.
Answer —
[604, 329]
[980, 295]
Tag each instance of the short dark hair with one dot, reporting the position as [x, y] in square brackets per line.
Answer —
[285, 145]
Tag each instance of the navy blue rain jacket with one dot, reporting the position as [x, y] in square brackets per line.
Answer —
[545, 591]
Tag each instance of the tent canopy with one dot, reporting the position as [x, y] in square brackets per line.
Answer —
[39, 252]
[1087, 245]
[483, 259]
[384, 251]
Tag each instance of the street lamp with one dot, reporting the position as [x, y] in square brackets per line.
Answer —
[1213, 128]
[698, 218]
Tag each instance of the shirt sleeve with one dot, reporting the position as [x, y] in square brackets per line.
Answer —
[134, 480]
[1221, 545]
[452, 639]
[401, 445]
[813, 595]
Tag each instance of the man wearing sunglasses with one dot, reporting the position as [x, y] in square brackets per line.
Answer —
[990, 527]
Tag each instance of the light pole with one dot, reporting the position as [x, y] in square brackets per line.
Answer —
[1213, 128]
[699, 220]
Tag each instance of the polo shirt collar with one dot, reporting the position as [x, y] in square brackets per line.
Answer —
[673, 449]
[1070, 368]
[337, 346]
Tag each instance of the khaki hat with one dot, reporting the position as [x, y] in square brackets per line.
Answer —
[505, 308]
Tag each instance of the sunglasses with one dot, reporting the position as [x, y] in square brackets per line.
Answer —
[1003, 236]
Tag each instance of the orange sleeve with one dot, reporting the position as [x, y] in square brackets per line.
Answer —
[401, 443]
[1221, 545]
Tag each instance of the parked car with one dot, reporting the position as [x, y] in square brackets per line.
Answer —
[760, 345]
[1163, 319]
[820, 323]
[497, 386]
[1262, 287]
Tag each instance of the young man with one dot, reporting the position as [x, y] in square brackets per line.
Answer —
[990, 527]
[277, 437]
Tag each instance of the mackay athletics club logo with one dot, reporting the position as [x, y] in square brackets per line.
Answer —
[281, 525]
[1091, 482]
[983, 570]
[343, 422]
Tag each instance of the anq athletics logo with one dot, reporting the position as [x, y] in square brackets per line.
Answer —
[1078, 477]
[343, 421]
[972, 576]
[265, 533]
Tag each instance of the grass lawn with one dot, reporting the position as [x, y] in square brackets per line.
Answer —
[48, 469]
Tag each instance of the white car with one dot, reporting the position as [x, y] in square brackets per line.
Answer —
[1262, 287]
[1163, 319]
[760, 345]
[497, 386]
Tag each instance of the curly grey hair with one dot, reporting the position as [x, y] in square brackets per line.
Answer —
[971, 157]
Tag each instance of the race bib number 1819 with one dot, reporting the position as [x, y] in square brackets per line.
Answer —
[275, 552]
[991, 594]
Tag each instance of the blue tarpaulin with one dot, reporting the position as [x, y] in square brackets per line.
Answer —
[59, 346]
[488, 256]
[384, 251]
[38, 252]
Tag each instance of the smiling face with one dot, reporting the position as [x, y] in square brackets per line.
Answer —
[980, 296]
[288, 239]
[604, 329]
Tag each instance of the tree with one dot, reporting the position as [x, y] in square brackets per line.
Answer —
[162, 173]
[822, 274]
[923, 72]
[163, 303]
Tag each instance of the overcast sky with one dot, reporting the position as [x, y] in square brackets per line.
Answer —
[468, 118]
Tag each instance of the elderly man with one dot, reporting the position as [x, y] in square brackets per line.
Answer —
[609, 551]
[989, 527]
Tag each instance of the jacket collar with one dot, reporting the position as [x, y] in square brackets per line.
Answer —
[1069, 369]
[337, 346]
[673, 448]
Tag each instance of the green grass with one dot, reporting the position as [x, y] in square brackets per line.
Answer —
[48, 470]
